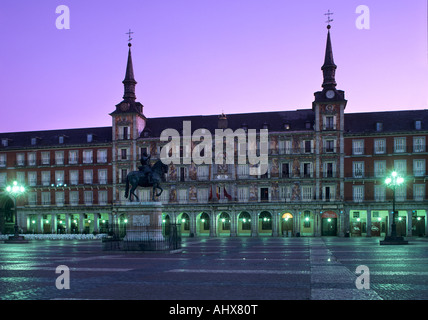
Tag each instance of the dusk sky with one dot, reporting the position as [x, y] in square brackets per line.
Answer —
[199, 57]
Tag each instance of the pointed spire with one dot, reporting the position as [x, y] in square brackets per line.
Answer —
[129, 81]
[329, 68]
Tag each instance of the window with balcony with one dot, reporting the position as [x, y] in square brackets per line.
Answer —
[306, 170]
[88, 197]
[243, 194]
[59, 157]
[87, 176]
[3, 160]
[358, 169]
[264, 194]
[307, 146]
[419, 192]
[59, 198]
[379, 146]
[379, 193]
[32, 198]
[358, 193]
[46, 158]
[32, 179]
[46, 198]
[3, 179]
[102, 156]
[102, 176]
[74, 198]
[400, 193]
[329, 170]
[87, 156]
[73, 156]
[46, 178]
[74, 177]
[418, 144]
[124, 154]
[329, 193]
[31, 156]
[357, 147]
[419, 167]
[285, 170]
[400, 166]
[20, 159]
[329, 123]
[102, 197]
[123, 175]
[399, 145]
[307, 193]
[379, 168]
[59, 178]
[329, 146]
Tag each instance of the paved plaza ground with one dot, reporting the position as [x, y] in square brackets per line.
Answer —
[218, 269]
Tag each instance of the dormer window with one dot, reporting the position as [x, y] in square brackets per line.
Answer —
[89, 137]
[33, 141]
[61, 139]
[379, 126]
[418, 125]
[307, 124]
[4, 142]
[286, 126]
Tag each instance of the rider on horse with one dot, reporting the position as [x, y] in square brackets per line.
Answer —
[145, 167]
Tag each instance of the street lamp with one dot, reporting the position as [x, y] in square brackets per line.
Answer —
[393, 181]
[15, 190]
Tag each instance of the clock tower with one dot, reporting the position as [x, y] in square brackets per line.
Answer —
[329, 106]
[128, 122]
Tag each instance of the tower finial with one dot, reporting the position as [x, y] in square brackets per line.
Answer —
[328, 14]
[129, 37]
[129, 81]
[329, 67]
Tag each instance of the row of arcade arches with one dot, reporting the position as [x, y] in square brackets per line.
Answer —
[264, 223]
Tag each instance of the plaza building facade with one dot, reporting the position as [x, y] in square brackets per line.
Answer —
[326, 171]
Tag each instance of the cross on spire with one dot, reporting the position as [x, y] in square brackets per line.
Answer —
[129, 36]
[328, 14]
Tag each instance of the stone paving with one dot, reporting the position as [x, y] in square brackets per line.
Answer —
[218, 269]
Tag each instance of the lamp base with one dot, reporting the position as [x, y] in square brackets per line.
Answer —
[16, 239]
[391, 240]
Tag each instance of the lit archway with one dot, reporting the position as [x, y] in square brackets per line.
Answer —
[223, 224]
[244, 224]
[265, 223]
[287, 224]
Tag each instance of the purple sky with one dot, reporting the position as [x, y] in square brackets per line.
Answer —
[196, 57]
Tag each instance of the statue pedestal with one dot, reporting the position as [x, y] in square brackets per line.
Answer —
[144, 222]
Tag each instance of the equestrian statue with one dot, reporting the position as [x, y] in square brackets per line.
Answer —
[146, 176]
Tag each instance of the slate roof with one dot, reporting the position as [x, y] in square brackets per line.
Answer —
[296, 119]
[50, 138]
[355, 123]
[392, 121]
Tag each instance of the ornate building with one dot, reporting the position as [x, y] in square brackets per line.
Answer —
[326, 171]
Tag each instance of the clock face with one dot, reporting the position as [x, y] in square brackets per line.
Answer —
[124, 106]
[329, 94]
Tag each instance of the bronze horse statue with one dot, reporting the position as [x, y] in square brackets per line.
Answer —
[140, 179]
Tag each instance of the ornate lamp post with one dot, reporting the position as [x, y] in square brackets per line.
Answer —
[15, 191]
[393, 181]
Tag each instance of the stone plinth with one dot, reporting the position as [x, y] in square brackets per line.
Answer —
[144, 222]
